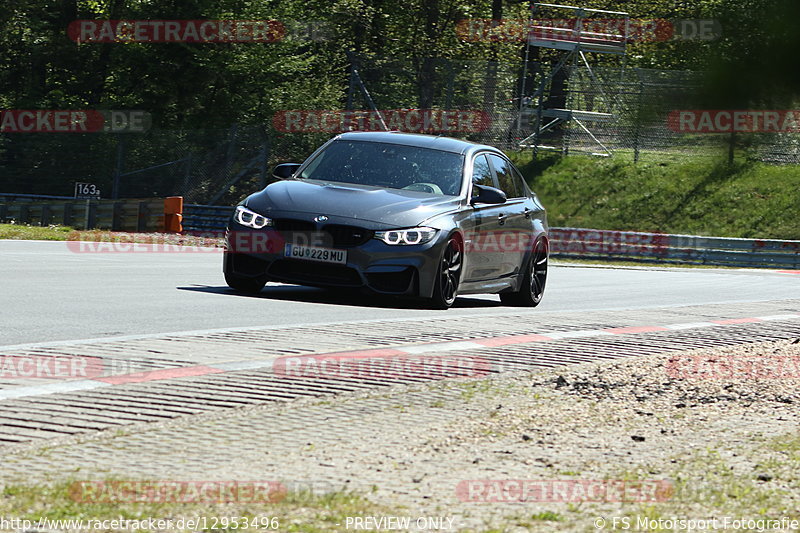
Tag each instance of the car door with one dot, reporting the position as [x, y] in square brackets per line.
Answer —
[515, 223]
[483, 254]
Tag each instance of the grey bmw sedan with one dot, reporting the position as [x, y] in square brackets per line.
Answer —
[395, 214]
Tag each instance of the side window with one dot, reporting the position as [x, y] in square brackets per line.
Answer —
[482, 172]
[519, 181]
[505, 176]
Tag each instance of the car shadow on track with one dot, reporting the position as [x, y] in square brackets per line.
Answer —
[297, 293]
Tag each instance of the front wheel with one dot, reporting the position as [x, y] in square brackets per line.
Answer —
[448, 276]
[245, 285]
[532, 288]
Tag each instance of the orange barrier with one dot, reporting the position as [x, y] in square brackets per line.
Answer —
[173, 214]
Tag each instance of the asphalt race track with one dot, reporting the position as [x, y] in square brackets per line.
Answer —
[51, 293]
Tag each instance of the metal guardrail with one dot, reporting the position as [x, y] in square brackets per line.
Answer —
[568, 243]
[205, 218]
[145, 215]
[582, 243]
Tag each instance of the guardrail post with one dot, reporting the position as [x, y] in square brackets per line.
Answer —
[67, 220]
[116, 215]
[141, 217]
[45, 218]
[23, 214]
[89, 215]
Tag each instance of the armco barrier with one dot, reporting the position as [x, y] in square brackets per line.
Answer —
[144, 215]
[575, 243]
[667, 248]
[205, 218]
[579, 243]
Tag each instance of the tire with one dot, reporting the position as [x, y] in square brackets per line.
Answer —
[448, 276]
[531, 290]
[245, 285]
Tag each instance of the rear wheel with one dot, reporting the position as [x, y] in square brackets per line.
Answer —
[448, 276]
[532, 288]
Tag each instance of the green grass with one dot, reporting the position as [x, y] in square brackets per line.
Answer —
[34, 233]
[65, 233]
[700, 196]
[705, 479]
[547, 516]
[788, 445]
[470, 389]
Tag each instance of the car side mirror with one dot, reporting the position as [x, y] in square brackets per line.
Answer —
[481, 194]
[285, 170]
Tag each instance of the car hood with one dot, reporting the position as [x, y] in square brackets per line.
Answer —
[347, 203]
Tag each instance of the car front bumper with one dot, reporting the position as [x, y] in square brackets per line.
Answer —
[408, 270]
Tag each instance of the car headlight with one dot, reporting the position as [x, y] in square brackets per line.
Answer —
[409, 236]
[251, 219]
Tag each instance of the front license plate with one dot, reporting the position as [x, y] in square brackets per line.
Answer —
[315, 253]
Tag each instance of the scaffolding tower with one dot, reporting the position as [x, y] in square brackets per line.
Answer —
[574, 36]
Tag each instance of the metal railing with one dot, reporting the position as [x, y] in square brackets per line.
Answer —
[141, 215]
[579, 243]
[205, 218]
[568, 243]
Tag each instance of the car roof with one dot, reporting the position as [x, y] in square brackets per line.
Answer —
[446, 144]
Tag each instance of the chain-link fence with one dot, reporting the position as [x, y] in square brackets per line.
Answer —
[604, 110]
[638, 113]
[613, 110]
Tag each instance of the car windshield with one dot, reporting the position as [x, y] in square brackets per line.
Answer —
[391, 166]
